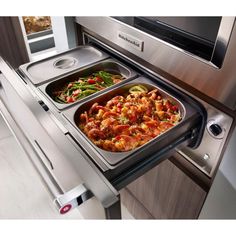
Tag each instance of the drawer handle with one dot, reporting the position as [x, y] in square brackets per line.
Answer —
[73, 198]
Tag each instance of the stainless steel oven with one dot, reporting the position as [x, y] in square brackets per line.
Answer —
[71, 166]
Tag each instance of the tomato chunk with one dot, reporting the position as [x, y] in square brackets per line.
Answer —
[91, 81]
[69, 99]
[98, 79]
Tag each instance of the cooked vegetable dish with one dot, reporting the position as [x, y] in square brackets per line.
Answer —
[85, 86]
[127, 122]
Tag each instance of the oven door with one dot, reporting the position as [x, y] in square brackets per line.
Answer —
[68, 175]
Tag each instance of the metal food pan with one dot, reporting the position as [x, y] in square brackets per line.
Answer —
[109, 65]
[49, 68]
[118, 161]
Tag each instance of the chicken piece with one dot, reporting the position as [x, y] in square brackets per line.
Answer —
[165, 126]
[96, 134]
[125, 143]
[100, 114]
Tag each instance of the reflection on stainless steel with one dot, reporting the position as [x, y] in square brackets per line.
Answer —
[194, 71]
[60, 64]
[204, 27]
[49, 182]
[65, 63]
[71, 167]
[222, 40]
[109, 65]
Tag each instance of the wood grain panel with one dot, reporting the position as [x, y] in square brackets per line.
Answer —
[134, 206]
[12, 45]
[168, 193]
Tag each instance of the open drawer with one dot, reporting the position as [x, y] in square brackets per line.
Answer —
[72, 168]
[123, 166]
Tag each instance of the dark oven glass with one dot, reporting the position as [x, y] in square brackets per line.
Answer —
[196, 35]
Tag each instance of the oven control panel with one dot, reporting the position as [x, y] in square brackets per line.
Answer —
[207, 155]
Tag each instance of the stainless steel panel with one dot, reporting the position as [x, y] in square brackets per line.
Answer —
[44, 70]
[64, 201]
[109, 65]
[207, 155]
[222, 40]
[194, 71]
[5, 132]
[42, 168]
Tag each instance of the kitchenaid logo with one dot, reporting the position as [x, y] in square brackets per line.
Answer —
[129, 40]
[138, 44]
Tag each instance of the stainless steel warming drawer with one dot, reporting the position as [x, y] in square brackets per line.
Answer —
[72, 168]
[117, 164]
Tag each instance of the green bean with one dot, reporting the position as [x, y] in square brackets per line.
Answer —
[86, 88]
[59, 100]
[106, 77]
[88, 92]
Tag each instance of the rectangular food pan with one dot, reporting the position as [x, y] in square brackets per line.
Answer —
[109, 65]
[48, 69]
[118, 161]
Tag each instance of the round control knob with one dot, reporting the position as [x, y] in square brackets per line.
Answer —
[215, 129]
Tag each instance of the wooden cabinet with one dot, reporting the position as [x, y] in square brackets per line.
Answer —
[12, 46]
[165, 192]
